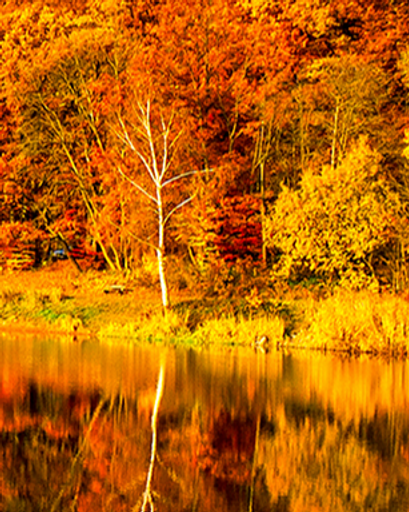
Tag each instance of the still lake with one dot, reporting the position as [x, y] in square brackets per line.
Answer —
[234, 430]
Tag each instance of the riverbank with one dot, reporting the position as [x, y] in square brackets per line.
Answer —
[114, 309]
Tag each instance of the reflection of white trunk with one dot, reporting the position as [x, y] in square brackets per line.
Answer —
[147, 495]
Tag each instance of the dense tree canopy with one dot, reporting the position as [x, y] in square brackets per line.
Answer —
[247, 98]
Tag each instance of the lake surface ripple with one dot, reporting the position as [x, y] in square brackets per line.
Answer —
[94, 427]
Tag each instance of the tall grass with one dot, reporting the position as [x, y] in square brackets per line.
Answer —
[150, 326]
[353, 322]
[359, 322]
[225, 331]
[241, 331]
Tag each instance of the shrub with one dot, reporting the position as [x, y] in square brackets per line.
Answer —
[332, 225]
[360, 322]
[241, 331]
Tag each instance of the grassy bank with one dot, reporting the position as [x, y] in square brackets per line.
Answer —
[114, 309]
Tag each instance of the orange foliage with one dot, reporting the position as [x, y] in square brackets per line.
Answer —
[263, 91]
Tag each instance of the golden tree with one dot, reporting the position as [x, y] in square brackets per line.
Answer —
[334, 223]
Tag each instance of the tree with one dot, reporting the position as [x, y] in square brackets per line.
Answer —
[268, 90]
[332, 226]
[152, 139]
[55, 74]
[347, 96]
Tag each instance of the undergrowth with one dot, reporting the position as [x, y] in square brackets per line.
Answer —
[359, 322]
[242, 313]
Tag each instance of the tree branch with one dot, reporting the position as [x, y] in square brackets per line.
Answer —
[137, 186]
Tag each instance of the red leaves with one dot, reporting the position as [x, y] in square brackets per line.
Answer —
[245, 83]
[236, 228]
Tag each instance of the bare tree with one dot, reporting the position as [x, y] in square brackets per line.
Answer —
[156, 152]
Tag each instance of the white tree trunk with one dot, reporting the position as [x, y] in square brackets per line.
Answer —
[156, 158]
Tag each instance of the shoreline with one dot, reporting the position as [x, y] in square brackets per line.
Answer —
[23, 329]
[60, 302]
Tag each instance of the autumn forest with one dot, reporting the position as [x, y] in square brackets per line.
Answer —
[218, 174]
[215, 134]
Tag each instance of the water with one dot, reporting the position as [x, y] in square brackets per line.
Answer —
[231, 431]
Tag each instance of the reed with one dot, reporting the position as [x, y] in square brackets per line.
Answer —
[359, 322]
[348, 321]
[242, 331]
[151, 326]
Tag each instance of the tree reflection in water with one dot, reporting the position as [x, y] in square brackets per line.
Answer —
[147, 495]
[112, 429]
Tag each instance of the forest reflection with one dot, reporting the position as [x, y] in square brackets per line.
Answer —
[236, 431]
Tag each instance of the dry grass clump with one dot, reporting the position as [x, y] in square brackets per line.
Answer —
[153, 326]
[360, 322]
[241, 330]
[8, 296]
[62, 299]
[173, 328]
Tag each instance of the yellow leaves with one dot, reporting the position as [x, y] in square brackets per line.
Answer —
[312, 16]
[253, 298]
[362, 321]
[405, 152]
[334, 222]
[37, 36]
[404, 68]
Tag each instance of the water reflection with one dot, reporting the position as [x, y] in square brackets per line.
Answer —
[236, 431]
